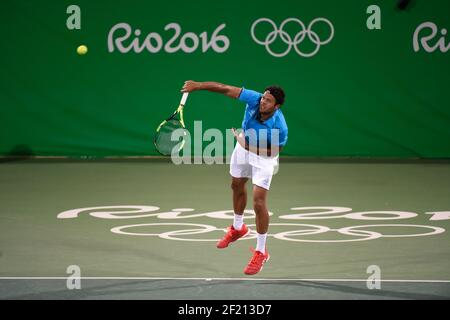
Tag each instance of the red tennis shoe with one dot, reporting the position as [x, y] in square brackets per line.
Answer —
[232, 235]
[256, 262]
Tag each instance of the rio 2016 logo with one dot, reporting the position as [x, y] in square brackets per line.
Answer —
[123, 39]
[425, 40]
[171, 229]
[188, 42]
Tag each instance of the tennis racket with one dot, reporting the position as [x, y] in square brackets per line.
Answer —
[163, 141]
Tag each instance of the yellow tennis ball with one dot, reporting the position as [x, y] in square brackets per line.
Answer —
[82, 50]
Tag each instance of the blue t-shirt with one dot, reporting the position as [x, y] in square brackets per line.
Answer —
[264, 132]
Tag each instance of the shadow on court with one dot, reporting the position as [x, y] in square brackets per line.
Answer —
[216, 289]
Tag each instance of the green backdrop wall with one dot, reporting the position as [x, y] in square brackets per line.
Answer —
[364, 93]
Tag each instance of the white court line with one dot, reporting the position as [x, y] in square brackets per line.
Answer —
[220, 279]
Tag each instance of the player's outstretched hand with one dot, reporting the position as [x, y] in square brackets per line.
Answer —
[190, 86]
[239, 137]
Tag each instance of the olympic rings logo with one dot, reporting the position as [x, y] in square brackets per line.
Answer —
[287, 39]
[361, 232]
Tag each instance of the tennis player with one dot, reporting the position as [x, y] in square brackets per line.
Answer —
[255, 156]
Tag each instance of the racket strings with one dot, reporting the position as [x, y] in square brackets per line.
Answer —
[163, 141]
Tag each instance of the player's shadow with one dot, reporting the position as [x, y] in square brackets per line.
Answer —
[123, 290]
[206, 290]
[362, 292]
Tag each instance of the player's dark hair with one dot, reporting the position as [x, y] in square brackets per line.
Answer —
[277, 92]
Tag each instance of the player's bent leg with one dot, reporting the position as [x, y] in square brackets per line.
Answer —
[238, 229]
[238, 185]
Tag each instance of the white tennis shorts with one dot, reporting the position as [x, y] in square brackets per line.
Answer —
[246, 164]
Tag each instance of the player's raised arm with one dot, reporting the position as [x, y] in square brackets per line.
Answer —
[230, 91]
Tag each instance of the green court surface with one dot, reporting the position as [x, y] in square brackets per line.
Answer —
[158, 239]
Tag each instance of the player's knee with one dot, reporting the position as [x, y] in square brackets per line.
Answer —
[238, 186]
[259, 204]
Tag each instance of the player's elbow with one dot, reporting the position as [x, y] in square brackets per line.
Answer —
[233, 92]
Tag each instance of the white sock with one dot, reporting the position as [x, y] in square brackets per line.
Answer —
[238, 221]
[261, 242]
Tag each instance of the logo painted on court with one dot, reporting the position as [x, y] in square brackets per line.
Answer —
[292, 41]
[293, 232]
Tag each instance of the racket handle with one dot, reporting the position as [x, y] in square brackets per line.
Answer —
[184, 98]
